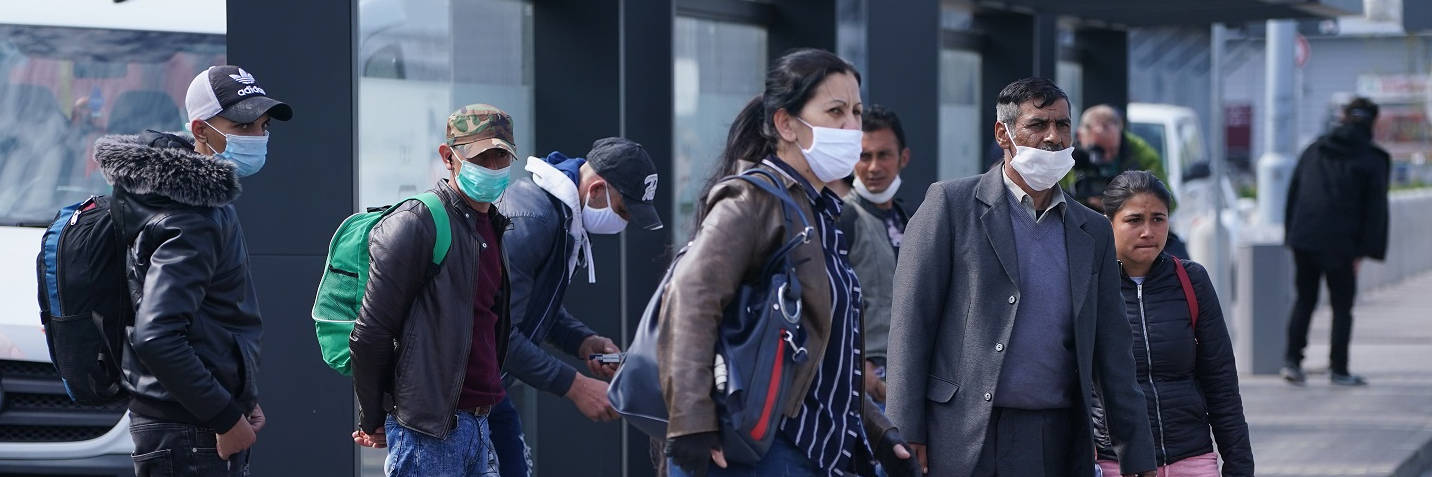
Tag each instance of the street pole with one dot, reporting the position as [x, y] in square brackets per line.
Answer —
[1276, 162]
[1218, 161]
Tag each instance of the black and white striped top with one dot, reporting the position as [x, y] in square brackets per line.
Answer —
[828, 427]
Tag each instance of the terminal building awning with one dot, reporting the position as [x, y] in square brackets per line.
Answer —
[1155, 13]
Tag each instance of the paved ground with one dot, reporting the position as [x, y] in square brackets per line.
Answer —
[1384, 429]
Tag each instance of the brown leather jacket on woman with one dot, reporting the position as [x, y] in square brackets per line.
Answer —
[743, 225]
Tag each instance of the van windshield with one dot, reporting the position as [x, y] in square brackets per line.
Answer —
[1152, 133]
[62, 88]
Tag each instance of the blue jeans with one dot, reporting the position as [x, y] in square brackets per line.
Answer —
[164, 448]
[783, 460]
[467, 451]
[507, 439]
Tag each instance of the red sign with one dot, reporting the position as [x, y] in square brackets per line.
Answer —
[1238, 130]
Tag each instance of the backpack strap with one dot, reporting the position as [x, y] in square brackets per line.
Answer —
[440, 219]
[1187, 290]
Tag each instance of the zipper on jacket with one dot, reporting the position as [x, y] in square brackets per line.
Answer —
[1149, 354]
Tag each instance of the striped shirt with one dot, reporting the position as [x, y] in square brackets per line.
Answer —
[828, 427]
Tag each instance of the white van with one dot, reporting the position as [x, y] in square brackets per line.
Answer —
[1175, 132]
[71, 71]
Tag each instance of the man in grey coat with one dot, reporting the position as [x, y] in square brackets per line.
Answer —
[1007, 315]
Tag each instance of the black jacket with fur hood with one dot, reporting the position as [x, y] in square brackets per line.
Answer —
[193, 350]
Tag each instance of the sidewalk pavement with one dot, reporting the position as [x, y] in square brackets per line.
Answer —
[1383, 429]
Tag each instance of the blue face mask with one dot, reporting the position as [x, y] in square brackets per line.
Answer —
[482, 184]
[248, 153]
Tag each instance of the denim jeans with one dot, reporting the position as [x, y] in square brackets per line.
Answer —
[163, 449]
[467, 451]
[783, 460]
[508, 441]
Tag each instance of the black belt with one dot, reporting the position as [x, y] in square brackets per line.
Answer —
[480, 411]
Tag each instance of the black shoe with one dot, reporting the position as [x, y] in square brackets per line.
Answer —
[1293, 374]
[1344, 379]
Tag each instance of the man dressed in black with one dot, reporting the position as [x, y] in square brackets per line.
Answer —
[1336, 216]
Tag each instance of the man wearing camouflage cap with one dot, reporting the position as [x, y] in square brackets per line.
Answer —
[553, 213]
[429, 397]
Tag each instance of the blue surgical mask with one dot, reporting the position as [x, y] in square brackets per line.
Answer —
[248, 153]
[482, 184]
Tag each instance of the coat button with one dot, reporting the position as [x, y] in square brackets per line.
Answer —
[987, 396]
[999, 347]
[1011, 299]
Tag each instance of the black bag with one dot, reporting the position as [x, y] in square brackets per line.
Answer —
[84, 300]
[761, 342]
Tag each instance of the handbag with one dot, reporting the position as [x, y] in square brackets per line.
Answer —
[760, 343]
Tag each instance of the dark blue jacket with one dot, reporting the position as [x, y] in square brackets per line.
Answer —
[539, 244]
[1187, 374]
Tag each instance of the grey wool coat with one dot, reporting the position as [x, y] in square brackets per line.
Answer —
[956, 294]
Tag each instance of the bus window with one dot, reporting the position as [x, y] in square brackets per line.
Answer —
[62, 87]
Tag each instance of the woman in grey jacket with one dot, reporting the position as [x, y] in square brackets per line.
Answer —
[1181, 344]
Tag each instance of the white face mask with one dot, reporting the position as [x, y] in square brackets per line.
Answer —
[602, 221]
[874, 198]
[833, 152]
[1041, 169]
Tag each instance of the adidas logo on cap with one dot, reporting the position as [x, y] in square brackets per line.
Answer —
[244, 77]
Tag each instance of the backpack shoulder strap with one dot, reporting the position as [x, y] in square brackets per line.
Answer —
[1187, 290]
[440, 219]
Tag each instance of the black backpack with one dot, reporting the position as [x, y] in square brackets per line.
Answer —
[84, 300]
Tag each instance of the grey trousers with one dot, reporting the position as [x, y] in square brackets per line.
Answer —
[1025, 443]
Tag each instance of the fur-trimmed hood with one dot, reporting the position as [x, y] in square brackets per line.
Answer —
[183, 175]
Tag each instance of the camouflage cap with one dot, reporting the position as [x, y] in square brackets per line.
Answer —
[480, 127]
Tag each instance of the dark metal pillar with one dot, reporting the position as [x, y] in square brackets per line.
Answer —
[289, 212]
[604, 68]
[1105, 56]
[904, 75]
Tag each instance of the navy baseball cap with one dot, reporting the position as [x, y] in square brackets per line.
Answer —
[231, 93]
[626, 166]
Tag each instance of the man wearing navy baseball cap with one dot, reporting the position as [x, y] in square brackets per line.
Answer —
[553, 213]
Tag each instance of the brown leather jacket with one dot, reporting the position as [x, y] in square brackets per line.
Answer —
[743, 224]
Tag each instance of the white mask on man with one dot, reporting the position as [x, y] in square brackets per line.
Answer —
[603, 221]
[1040, 168]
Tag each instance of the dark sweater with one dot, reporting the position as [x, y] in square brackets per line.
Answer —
[482, 385]
[1039, 371]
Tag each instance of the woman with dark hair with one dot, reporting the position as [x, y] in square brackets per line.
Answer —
[1185, 359]
[805, 131]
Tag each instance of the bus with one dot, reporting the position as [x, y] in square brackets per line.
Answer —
[71, 71]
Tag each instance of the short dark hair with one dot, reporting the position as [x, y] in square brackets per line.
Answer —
[1042, 90]
[876, 117]
[1131, 183]
[1360, 111]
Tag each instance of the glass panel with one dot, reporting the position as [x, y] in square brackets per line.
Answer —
[1069, 76]
[962, 147]
[415, 73]
[719, 67]
[62, 88]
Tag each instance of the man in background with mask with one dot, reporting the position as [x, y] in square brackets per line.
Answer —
[874, 225]
[430, 395]
[193, 349]
[553, 215]
[1007, 314]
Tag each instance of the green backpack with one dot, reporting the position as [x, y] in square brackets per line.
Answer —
[345, 277]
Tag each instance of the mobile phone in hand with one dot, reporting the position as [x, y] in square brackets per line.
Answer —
[607, 358]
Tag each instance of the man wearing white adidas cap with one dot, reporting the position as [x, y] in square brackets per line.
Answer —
[229, 114]
[191, 360]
